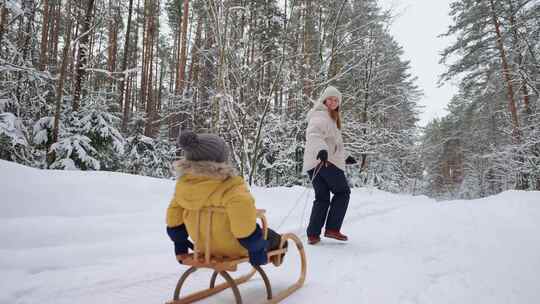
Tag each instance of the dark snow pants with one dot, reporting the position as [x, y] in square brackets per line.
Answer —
[328, 179]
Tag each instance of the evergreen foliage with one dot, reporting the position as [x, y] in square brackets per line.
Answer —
[76, 93]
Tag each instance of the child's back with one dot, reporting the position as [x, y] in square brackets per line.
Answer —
[208, 184]
[206, 179]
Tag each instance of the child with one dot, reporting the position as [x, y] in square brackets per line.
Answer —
[206, 179]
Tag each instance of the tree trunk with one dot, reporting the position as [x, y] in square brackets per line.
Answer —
[123, 68]
[44, 36]
[3, 21]
[55, 34]
[521, 183]
[162, 73]
[172, 118]
[144, 51]
[506, 73]
[61, 78]
[334, 57]
[523, 177]
[183, 55]
[128, 98]
[195, 54]
[157, 72]
[148, 95]
[364, 119]
[113, 37]
[220, 86]
[71, 67]
[173, 68]
[91, 46]
[24, 42]
[176, 60]
[308, 49]
[369, 67]
[135, 60]
[519, 61]
[82, 55]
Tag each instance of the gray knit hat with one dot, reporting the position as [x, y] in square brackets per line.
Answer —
[203, 147]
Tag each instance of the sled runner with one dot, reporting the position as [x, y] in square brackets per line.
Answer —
[222, 266]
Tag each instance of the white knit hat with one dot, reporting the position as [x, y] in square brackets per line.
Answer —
[329, 92]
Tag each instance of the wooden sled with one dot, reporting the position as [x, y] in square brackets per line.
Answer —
[222, 266]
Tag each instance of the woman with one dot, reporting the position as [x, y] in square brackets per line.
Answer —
[324, 161]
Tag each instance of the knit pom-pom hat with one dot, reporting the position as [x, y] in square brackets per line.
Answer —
[203, 147]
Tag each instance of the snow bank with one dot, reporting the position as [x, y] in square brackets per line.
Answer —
[98, 237]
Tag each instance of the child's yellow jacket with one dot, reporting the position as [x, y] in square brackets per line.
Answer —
[204, 184]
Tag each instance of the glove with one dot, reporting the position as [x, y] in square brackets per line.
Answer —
[322, 155]
[350, 160]
[256, 246]
[179, 236]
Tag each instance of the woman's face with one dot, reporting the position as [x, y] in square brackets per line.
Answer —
[332, 103]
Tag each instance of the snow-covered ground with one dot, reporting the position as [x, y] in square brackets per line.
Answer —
[99, 237]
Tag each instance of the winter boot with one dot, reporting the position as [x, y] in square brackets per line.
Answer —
[274, 259]
[313, 239]
[274, 240]
[335, 234]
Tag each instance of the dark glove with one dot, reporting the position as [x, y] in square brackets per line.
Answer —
[179, 236]
[256, 246]
[350, 160]
[322, 155]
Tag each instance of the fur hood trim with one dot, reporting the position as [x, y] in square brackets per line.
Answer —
[205, 168]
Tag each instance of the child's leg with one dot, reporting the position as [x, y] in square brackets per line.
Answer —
[274, 239]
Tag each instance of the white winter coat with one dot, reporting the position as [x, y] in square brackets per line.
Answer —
[322, 133]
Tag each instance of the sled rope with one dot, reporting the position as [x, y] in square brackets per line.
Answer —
[298, 200]
[292, 209]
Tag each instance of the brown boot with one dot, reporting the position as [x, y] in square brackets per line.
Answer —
[313, 239]
[335, 234]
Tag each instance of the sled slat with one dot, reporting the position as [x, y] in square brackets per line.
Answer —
[208, 237]
[223, 264]
[199, 295]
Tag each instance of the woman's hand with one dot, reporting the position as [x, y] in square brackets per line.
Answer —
[322, 155]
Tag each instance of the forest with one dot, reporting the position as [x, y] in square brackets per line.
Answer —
[108, 85]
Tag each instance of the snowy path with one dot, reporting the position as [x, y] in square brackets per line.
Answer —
[73, 237]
